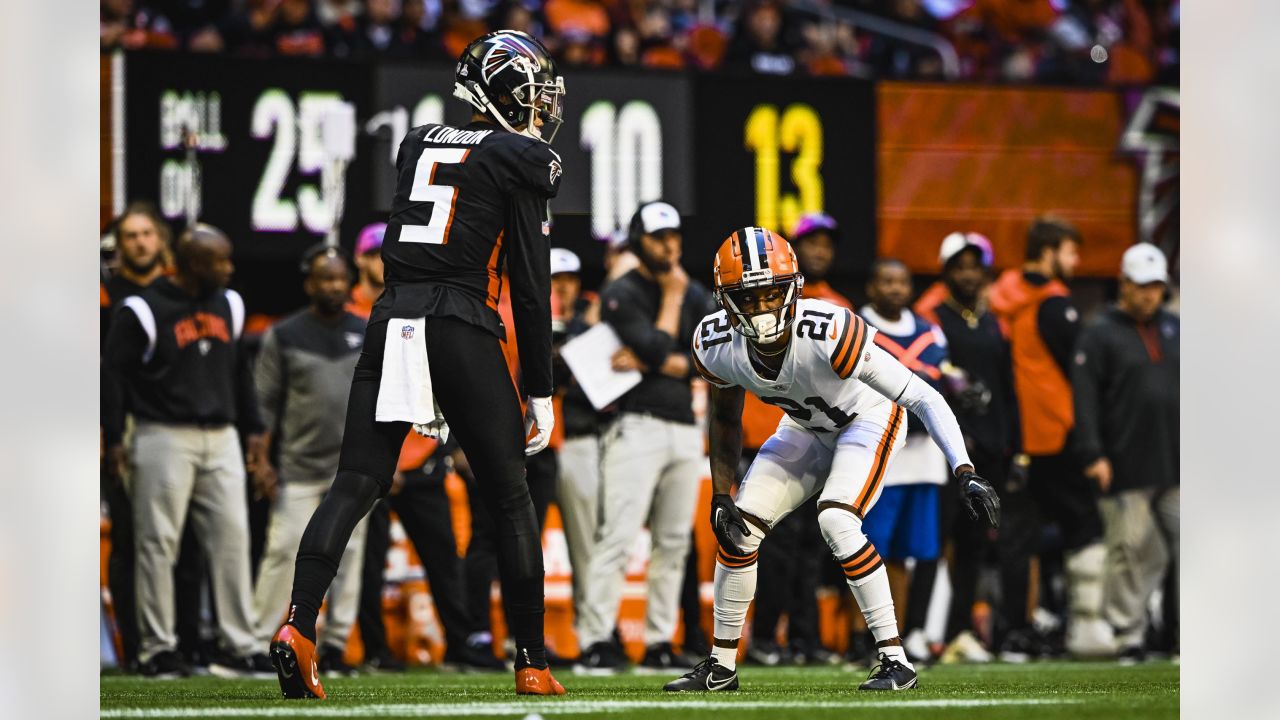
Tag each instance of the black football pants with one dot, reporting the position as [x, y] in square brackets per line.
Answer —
[480, 565]
[473, 387]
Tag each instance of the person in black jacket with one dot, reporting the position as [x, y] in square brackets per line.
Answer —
[980, 381]
[1125, 377]
[172, 361]
[651, 455]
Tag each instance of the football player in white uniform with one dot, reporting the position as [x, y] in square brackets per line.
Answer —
[846, 401]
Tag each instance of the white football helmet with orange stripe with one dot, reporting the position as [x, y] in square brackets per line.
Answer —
[753, 258]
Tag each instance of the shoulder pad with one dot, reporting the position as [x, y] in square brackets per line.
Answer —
[851, 336]
[540, 168]
[714, 331]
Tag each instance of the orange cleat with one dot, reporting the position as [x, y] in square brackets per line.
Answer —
[294, 658]
[532, 681]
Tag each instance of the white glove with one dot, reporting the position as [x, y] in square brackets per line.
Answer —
[437, 429]
[540, 413]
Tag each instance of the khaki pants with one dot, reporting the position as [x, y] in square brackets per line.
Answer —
[176, 471]
[578, 497]
[293, 508]
[650, 470]
[1142, 544]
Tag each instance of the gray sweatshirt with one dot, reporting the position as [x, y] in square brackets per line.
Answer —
[303, 378]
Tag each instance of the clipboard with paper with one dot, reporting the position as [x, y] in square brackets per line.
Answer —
[590, 359]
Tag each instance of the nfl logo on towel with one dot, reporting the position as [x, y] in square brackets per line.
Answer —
[406, 332]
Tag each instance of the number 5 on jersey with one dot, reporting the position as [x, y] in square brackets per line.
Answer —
[441, 197]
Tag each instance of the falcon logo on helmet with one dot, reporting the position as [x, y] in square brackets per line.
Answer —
[753, 258]
[511, 77]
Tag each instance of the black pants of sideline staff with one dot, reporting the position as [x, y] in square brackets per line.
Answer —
[424, 513]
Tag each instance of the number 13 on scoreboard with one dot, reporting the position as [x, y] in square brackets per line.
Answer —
[798, 131]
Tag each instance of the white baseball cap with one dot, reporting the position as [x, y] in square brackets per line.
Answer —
[1144, 263]
[956, 242]
[564, 261]
[657, 216]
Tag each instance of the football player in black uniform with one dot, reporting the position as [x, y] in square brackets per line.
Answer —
[469, 201]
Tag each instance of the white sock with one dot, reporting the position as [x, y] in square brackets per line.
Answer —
[895, 652]
[863, 570]
[734, 590]
[727, 657]
[876, 602]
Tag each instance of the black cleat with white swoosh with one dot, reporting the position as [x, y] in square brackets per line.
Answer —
[707, 676]
[889, 674]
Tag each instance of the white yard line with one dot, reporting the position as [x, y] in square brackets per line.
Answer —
[554, 707]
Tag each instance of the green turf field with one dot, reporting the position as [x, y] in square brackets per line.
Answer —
[1077, 691]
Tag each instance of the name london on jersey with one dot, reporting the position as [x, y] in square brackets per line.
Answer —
[452, 136]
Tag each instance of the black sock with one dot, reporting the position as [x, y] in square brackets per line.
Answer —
[303, 619]
[311, 578]
[534, 657]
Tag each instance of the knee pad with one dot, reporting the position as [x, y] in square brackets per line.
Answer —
[750, 545]
[842, 529]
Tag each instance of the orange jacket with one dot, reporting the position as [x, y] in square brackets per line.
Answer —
[929, 300]
[360, 302]
[1044, 393]
[822, 290]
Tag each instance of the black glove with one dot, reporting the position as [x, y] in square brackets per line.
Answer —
[973, 489]
[725, 517]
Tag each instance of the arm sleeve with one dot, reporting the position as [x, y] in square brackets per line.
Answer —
[884, 374]
[1057, 322]
[635, 328]
[529, 268]
[122, 353]
[268, 376]
[1088, 371]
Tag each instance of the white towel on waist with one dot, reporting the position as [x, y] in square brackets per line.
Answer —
[404, 393]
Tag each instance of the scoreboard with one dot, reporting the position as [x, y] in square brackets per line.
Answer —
[725, 151]
[898, 165]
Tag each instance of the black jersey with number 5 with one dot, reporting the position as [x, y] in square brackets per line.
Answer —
[470, 203]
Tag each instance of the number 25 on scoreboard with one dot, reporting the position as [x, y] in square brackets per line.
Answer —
[798, 130]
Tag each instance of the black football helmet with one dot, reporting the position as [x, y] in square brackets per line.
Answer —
[509, 76]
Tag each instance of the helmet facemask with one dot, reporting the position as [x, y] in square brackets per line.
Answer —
[766, 326]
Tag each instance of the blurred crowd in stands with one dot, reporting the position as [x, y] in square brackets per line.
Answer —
[1075, 42]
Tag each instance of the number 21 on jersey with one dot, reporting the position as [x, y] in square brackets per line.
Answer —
[441, 197]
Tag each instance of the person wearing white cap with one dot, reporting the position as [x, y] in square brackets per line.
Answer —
[651, 455]
[1125, 375]
[981, 384]
[578, 474]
